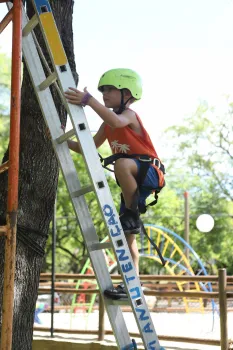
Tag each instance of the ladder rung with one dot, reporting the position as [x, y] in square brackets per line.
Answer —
[138, 302]
[30, 25]
[65, 136]
[100, 246]
[48, 81]
[82, 191]
[120, 302]
[4, 167]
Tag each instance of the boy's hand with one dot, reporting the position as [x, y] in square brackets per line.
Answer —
[75, 96]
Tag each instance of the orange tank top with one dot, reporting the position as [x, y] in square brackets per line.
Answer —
[126, 140]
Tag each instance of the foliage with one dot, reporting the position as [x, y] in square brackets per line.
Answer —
[203, 142]
[204, 167]
[4, 98]
[71, 251]
[70, 248]
[4, 133]
[5, 67]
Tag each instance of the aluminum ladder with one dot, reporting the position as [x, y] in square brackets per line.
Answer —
[98, 184]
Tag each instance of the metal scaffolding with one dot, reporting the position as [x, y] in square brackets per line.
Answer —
[12, 165]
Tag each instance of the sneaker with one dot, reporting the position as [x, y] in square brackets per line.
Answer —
[130, 221]
[116, 293]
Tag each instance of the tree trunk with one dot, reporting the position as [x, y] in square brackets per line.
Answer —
[37, 188]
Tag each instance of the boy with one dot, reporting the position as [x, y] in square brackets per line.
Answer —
[137, 167]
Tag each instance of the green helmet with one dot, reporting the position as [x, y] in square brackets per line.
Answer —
[122, 78]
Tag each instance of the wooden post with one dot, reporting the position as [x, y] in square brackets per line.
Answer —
[186, 230]
[101, 331]
[186, 221]
[222, 280]
[54, 234]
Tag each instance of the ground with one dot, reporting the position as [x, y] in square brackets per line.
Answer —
[192, 325]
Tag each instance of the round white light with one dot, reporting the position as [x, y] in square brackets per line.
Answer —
[205, 223]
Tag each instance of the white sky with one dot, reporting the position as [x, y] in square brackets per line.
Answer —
[183, 50]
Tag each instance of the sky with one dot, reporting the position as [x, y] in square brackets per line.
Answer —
[183, 50]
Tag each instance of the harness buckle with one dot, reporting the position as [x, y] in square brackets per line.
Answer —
[145, 159]
[156, 162]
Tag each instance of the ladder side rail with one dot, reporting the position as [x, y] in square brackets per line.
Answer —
[70, 175]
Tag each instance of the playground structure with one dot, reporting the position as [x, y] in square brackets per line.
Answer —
[178, 270]
[173, 248]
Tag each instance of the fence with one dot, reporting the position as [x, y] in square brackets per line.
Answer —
[222, 281]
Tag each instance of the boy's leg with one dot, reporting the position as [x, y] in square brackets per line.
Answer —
[126, 171]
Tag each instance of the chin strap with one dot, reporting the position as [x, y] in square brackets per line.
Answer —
[123, 104]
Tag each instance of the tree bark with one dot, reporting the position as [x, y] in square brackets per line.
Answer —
[37, 189]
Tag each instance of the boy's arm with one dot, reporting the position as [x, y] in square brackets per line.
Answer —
[110, 117]
[74, 146]
[75, 96]
[99, 139]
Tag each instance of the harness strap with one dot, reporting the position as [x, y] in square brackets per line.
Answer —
[145, 162]
[143, 158]
[144, 167]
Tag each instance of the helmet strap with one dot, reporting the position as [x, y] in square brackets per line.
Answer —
[123, 104]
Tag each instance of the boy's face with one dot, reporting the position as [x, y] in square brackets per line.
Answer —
[111, 96]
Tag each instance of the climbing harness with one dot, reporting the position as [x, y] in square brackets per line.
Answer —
[145, 162]
[132, 218]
